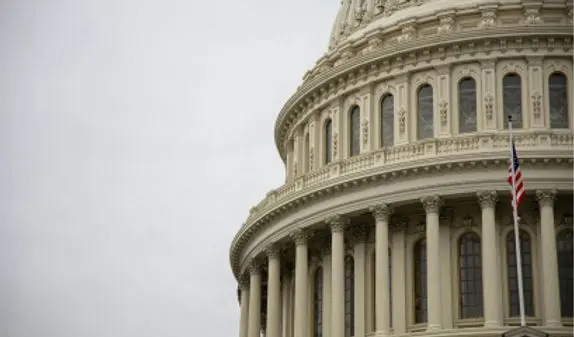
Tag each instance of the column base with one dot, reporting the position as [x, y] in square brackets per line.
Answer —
[433, 328]
[553, 324]
[492, 324]
[383, 334]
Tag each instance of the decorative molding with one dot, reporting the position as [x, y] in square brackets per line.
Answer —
[335, 144]
[488, 18]
[532, 16]
[408, 32]
[337, 223]
[300, 236]
[402, 120]
[365, 131]
[446, 25]
[273, 251]
[488, 106]
[443, 110]
[466, 222]
[536, 105]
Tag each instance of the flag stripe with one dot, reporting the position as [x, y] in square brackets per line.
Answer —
[518, 182]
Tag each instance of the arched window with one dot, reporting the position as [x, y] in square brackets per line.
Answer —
[526, 255]
[467, 105]
[420, 255]
[318, 303]
[470, 276]
[306, 152]
[349, 296]
[512, 100]
[387, 120]
[425, 112]
[558, 96]
[355, 131]
[328, 141]
[565, 269]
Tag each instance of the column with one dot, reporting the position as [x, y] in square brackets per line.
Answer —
[359, 236]
[327, 290]
[300, 323]
[490, 275]
[382, 299]
[552, 315]
[254, 326]
[244, 286]
[337, 224]
[273, 326]
[285, 308]
[432, 205]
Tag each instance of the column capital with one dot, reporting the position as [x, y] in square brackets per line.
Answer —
[546, 197]
[243, 281]
[381, 212]
[273, 250]
[432, 203]
[487, 199]
[300, 236]
[254, 267]
[337, 223]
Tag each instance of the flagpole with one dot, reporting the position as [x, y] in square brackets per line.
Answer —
[518, 254]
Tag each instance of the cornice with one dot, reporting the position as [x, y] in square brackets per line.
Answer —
[271, 210]
[396, 59]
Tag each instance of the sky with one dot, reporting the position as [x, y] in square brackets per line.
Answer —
[134, 137]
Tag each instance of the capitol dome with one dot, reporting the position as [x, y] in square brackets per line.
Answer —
[395, 217]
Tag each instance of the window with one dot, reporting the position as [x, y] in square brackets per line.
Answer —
[470, 276]
[387, 120]
[318, 303]
[512, 100]
[306, 153]
[355, 131]
[420, 255]
[565, 270]
[349, 297]
[467, 105]
[328, 141]
[558, 96]
[425, 112]
[526, 253]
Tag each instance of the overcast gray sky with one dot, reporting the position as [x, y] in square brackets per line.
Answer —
[134, 137]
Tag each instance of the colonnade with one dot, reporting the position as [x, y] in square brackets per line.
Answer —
[334, 307]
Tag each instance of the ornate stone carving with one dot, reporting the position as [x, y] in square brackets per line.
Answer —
[488, 106]
[374, 43]
[546, 197]
[388, 7]
[359, 14]
[273, 250]
[335, 143]
[446, 25]
[532, 16]
[337, 223]
[254, 266]
[295, 173]
[443, 109]
[244, 281]
[467, 222]
[399, 223]
[365, 131]
[311, 155]
[432, 203]
[488, 18]
[407, 33]
[487, 199]
[300, 236]
[536, 104]
[381, 212]
[402, 121]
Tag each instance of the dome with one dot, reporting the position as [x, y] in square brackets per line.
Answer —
[396, 217]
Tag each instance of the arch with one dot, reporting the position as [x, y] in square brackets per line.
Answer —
[328, 139]
[470, 275]
[425, 119]
[512, 99]
[467, 120]
[387, 119]
[349, 296]
[420, 281]
[564, 244]
[354, 131]
[318, 303]
[512, 279]
[558, 100]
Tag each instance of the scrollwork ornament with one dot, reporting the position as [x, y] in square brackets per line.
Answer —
[432, 204]
[536, 104]
[402, 121]
[546, 197]
[254, 267]
[311, 154]
[487, 199]
[381, 212]
[443, 108]
[335, 143]
[488, 19]
[532, 16]
[488, 106]
[273, 251]
[446, 25]
[365, 131]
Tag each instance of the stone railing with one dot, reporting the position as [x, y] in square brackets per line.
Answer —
[398, 157]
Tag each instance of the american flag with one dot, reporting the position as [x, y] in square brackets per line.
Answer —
[518, 183]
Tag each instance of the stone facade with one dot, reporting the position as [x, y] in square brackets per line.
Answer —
[395, 215]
